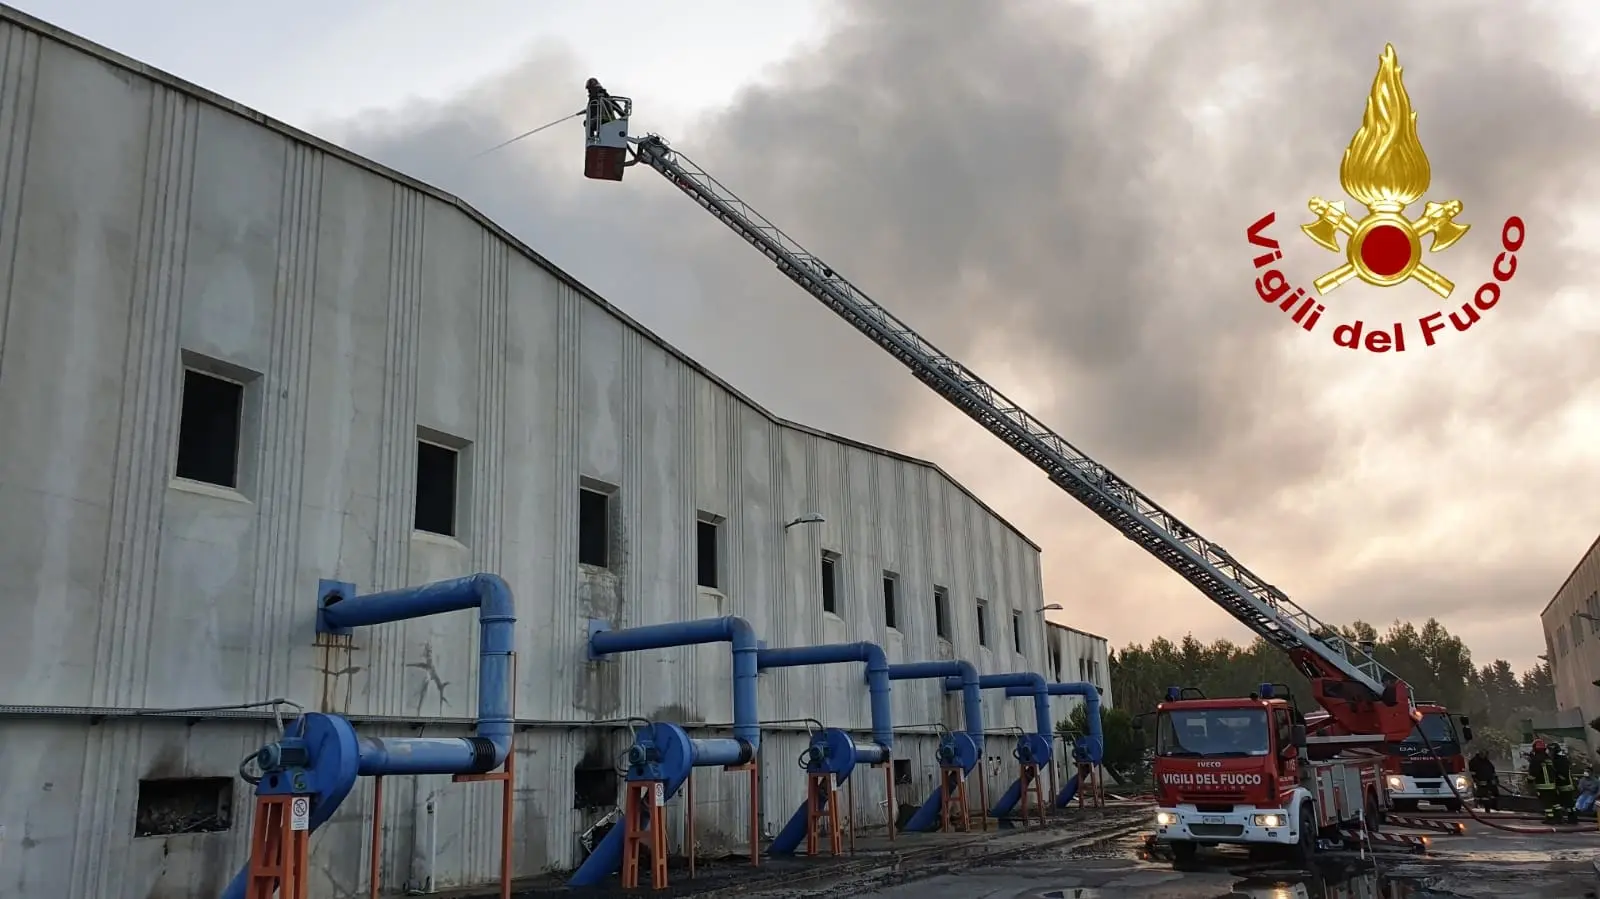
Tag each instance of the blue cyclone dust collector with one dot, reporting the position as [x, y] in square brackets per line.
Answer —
[1087, 750]
[956, 750]
[320, 756]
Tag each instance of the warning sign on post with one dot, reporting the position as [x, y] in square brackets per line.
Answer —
[661, 794]
[300, 813]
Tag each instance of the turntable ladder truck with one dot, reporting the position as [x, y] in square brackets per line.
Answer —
[1363, 696]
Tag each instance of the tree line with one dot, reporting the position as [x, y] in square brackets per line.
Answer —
[1436, 664]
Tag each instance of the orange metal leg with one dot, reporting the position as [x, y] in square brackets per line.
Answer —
[954, 794]
[1032, 792]
[644, 826]
[892, 803]
[688, 823]
[279, 854]
[374, 884]
[822, 804]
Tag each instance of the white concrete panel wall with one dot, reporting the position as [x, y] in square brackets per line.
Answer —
[146, 225]
[1083, 657]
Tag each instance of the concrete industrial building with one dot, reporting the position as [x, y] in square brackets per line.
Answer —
[250, 360]
[1571, 622]
[1076, 655]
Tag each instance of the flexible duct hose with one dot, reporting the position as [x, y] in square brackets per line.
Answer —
[1508, 828]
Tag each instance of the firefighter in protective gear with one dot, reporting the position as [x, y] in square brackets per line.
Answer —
[1566, 790]
[1541, 777]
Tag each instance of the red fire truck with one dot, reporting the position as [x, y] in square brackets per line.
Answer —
[1413, 773]
[1246, 772]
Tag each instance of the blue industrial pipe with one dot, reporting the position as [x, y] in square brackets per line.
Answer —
[963, 749]
[1090, 749]
[320, 755]
[663, 751]
[836, 653]
[833, 751]
[1033, 685]
[1035, 748]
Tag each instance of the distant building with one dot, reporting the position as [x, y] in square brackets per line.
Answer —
[1077, 656]
[1572, 643]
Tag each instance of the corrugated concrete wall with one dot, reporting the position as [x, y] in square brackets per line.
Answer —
[146, 225]
[1077, 656]
[1573, 665]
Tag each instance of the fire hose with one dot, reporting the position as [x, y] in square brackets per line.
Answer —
[1508, 828]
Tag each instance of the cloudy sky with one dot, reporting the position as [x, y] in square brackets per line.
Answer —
[1057, 193]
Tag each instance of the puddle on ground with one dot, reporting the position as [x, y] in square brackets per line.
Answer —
[1364, 885]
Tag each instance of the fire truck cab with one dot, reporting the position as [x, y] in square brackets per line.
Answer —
[1243, 772]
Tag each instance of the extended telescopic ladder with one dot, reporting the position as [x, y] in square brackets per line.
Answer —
[1263, 608]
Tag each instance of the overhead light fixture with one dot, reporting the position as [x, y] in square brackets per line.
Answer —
[808, 518]
[1053, 607]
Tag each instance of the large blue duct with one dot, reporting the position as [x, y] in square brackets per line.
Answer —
[320, 755]
[833, 751]
[964, 749]
[1035, 748]
[665, 751]
[1089, 749]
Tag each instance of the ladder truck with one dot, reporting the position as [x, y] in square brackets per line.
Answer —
[1359, 694]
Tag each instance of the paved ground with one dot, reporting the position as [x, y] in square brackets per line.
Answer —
[1100, 855]
[1469, 867]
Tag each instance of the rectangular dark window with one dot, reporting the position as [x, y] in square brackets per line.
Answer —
[705, 546]
[594, 787]
[1055, 666]
[830, 583]
[1016, 632]
[890, 582]
[436, 488]
[983, 623]
[177, 805]
[208, 429]
[594, 528]
[941, 612]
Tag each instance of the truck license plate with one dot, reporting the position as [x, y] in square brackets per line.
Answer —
[1211, 819]
[1430, 789]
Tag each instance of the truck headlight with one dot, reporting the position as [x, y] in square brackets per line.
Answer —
[1460, 782]
[1269, 820]
[1166, 818]
[1395, 782]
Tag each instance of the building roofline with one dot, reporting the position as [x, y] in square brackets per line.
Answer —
[1084, 633]
[1570, 575]
[106, 54]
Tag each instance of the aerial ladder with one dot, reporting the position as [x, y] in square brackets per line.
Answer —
[1365, 698]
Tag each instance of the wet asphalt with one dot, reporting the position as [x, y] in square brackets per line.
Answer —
[1490, 864]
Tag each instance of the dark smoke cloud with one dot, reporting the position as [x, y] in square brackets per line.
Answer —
[1061, 201]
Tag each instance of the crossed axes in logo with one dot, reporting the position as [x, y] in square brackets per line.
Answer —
[1436, 219]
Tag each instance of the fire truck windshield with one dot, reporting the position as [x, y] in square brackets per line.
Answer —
[1187, 733]
[1437, 726]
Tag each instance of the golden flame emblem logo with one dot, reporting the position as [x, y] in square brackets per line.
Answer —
[1386, 170]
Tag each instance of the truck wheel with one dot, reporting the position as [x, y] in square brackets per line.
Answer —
[1405, 805]
[1302, 853]
[1183, 851]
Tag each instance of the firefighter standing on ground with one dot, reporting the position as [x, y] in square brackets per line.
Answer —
[1541, 777]
[1566, 792]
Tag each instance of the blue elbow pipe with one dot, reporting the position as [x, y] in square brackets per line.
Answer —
[1091, 748]
[731, 629]
[1032, 685]
[967, 755]
[491, 596]
[665, 751]
[323, 750]
[836, 653]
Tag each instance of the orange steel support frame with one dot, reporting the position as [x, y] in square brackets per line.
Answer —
[279, 855]
[1032, 789]
[822, 804]
[644, 822]
[890, 803]
[953, 799]
[638, 802]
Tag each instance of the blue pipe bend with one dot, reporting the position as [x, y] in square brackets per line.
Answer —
[729, 629]
[965, 677]
[836, 653]
[1034, 685]
[497, 625]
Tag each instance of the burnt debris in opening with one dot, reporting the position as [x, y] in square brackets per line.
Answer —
[594, 781]
[179, 805]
